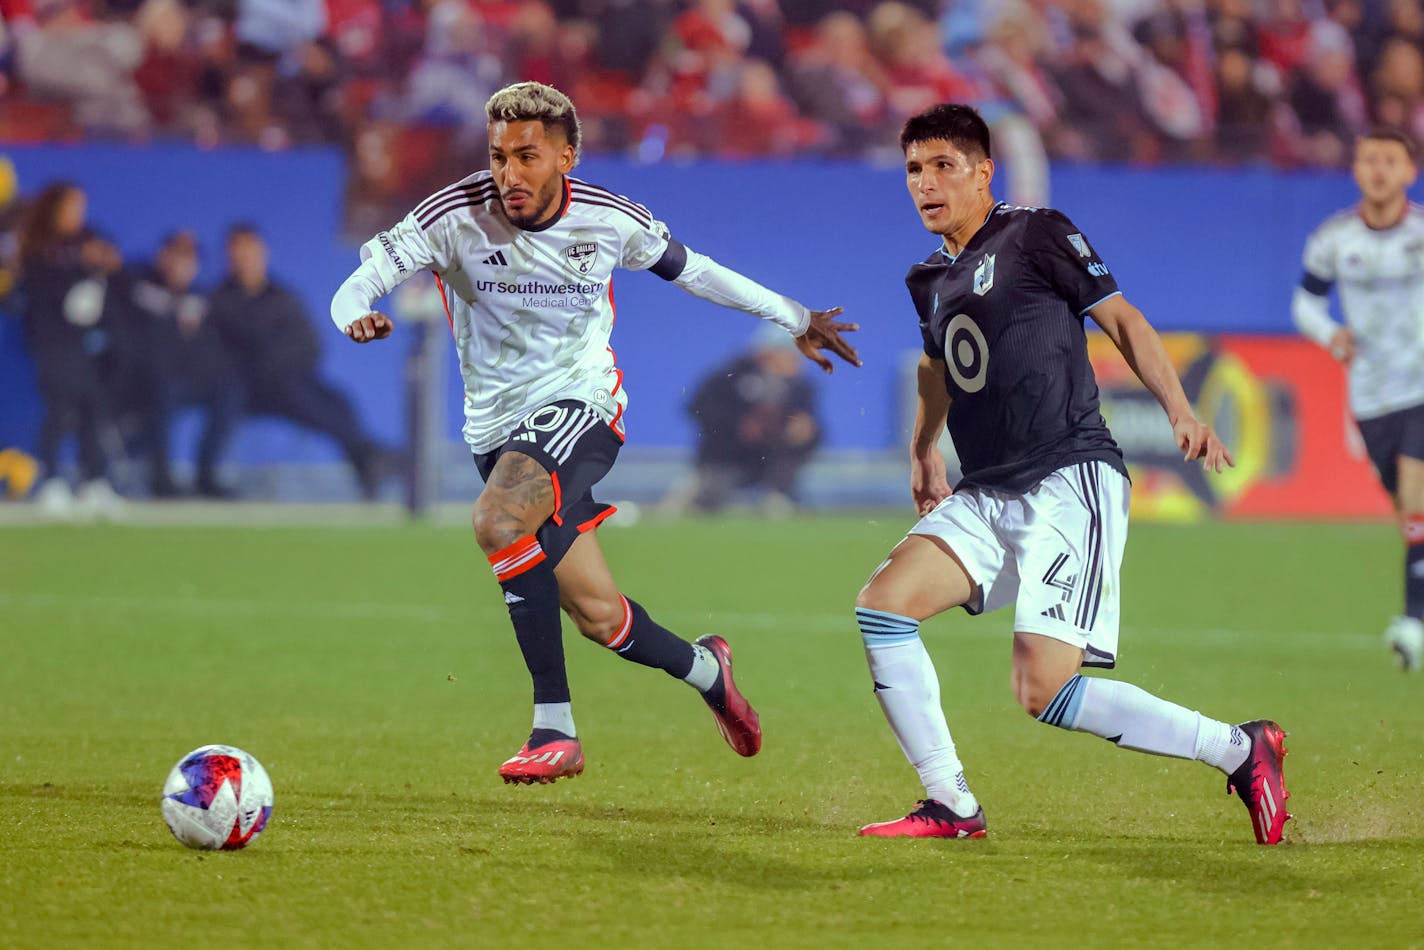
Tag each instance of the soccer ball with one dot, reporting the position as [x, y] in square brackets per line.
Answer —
[217, 797]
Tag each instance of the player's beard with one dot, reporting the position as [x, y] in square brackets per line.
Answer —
[543, 202]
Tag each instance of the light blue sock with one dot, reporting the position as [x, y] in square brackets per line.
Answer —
[908, 691]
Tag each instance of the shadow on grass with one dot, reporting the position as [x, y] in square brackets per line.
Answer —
[1229, 869]
[662, 818]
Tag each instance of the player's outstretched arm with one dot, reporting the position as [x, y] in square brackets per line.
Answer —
[928, 482]
[824, 333]
[1142, 348]
[815, 330]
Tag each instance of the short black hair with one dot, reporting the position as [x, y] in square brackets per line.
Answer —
[179, 236]
[1388, 133]
[243, 229]
[960, 125]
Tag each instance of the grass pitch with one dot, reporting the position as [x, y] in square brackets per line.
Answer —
[372, 671]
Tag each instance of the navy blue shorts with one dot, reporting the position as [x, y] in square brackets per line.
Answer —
[577, 448]
[1388, 437]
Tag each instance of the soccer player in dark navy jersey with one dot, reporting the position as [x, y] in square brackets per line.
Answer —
[1039, 518]
[1014, 297]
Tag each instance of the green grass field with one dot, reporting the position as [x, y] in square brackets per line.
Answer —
[372, 671]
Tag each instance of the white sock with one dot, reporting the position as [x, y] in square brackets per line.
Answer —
[908, 690]
[705, 668]
[1135, 719]
[556, 716]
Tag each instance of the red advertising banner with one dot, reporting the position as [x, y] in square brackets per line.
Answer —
[1278, 402]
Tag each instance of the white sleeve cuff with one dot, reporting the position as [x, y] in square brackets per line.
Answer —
[356, 296]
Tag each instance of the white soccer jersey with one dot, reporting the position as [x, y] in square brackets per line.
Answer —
[1380, 276]
[532, 310]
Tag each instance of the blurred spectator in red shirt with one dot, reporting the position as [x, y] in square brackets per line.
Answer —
[837, 81]
[1284, 35]
[760, 120]
[540, 49]
[170, 70]
[355, 30]
[919, 72]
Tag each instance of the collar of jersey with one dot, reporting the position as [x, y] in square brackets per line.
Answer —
[553, 219]
[954, 257]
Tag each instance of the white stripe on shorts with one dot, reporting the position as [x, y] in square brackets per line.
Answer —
[1092, 589]
[563, 446]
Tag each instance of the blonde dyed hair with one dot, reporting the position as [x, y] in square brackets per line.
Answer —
[536, 102]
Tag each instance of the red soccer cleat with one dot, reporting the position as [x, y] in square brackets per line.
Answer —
[561, 758]
[1260, 782]
[930, 819]
[737, 721]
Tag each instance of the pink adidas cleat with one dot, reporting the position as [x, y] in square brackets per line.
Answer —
[930, 819]
[737, 721]
[1260, 782]
[561, 758]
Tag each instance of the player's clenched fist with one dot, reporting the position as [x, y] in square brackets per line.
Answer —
[373, 326]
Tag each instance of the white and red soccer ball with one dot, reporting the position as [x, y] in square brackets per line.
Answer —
[217, 798]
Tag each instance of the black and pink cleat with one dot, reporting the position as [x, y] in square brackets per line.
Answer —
[930, 819]
[737, 721]
[1260, 782]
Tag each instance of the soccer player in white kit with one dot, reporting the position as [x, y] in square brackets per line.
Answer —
[1039, 519]
[525, 254]
[1373, 254]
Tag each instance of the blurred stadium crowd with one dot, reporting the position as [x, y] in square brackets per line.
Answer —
[401, 84]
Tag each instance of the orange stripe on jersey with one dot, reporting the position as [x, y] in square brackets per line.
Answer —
[517, 558]
[597, 519]
[621, 637]
[445, 302]
[558, 498]
[617, 425]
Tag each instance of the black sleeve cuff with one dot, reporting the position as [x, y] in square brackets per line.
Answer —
[1316, 285]
[671, 264]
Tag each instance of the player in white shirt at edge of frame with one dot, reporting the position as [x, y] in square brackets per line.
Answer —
[1373, 254]
[525, 253]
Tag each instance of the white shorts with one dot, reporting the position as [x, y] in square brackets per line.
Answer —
[1054, 553]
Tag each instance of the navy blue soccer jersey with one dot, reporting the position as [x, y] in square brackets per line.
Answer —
[1006, 317]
